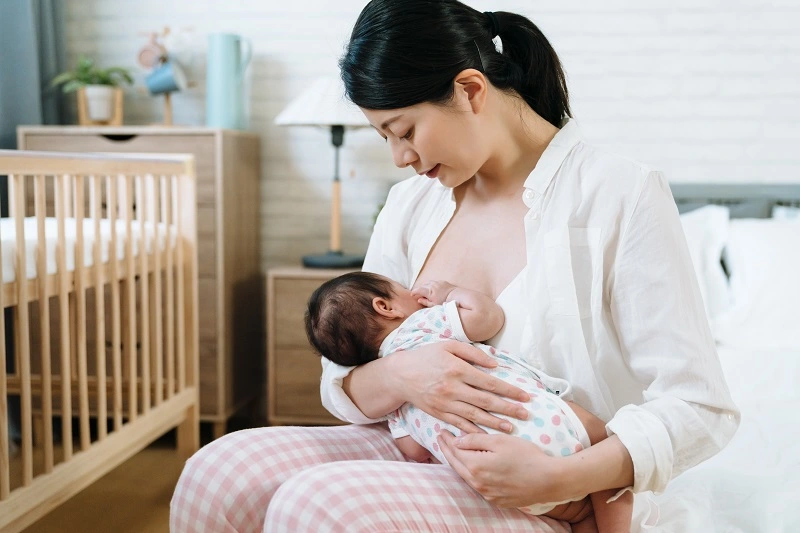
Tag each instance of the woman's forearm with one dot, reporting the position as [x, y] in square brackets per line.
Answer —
[370, 388]
[606, 465]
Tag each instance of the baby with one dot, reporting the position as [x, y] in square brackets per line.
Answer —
[357, 317]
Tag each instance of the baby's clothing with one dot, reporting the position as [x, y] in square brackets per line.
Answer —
[552, 424]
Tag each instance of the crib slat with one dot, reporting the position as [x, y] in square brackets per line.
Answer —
[99, 306]
[5, 467]
[44, 321]
[22, 331]
[180, 294]
[144, 315]
[61, 185]
[129, 318]
[158, 325]
[116, 333]
[80, 303]
[170, 272]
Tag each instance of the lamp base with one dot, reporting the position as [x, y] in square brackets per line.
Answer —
[333, 260]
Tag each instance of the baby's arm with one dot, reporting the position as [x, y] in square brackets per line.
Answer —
[481, 317]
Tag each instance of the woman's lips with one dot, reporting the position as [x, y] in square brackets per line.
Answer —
[432, 172]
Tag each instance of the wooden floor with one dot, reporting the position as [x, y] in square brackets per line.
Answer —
[133, 498]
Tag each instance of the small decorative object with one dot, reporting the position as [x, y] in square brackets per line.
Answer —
[323, 104]
[99, 94]
[228, 56]
[167, 75]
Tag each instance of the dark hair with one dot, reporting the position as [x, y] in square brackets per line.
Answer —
[405, 52]
[340, 320]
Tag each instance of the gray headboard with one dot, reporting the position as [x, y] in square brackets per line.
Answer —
[743, 200]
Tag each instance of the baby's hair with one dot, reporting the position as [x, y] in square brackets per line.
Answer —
[340, 321]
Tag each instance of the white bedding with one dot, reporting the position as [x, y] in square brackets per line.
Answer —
[753, 485]
[8, 234]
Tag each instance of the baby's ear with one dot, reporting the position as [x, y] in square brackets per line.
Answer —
[384, 308]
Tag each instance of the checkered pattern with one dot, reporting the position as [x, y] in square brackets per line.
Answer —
[349, 478]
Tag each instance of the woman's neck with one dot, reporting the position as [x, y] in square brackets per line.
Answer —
[519, 137]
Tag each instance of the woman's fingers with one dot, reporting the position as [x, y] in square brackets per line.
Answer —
[446, 444]
[485, 382]
[480, 442]
[469, 353]
[477, 416]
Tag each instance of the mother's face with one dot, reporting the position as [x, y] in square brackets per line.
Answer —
[443, 142]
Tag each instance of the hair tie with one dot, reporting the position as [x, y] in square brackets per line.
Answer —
[494, 25]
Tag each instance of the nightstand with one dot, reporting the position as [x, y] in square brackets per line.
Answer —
[293, 369]
[231, 315]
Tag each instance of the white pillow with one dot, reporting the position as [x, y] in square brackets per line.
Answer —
[763, 258]
[706, 231]
[785, 212]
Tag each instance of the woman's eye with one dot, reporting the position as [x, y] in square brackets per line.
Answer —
[408, 135]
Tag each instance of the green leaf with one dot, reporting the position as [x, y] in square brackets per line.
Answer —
[72, 86]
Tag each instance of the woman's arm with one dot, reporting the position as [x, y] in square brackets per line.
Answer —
[687, 415]
[440, 380]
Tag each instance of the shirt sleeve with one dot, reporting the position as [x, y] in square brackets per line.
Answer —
[334, 399]
[688, 414]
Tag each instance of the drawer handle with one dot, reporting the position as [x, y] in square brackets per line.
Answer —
[119, 138]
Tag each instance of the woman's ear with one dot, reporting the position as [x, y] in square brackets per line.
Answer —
[471, 88]
[383, 307]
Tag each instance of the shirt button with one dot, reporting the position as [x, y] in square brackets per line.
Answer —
[730, 417]
[528, 194]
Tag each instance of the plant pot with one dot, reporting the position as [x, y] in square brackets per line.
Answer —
[99, 102]
[100, 105]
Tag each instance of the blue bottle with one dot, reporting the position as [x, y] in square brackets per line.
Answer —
[227, 60]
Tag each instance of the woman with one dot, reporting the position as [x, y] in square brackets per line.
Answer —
[582, 249]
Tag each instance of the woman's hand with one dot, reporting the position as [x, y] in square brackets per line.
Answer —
[507, 471]
[440, 380]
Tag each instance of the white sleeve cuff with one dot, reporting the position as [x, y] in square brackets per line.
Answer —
[649, 445]
[334, 398]
[451, 312]
[396, 427]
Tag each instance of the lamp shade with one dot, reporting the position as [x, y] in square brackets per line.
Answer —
[322, 104]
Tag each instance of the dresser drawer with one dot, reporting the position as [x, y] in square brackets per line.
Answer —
[298, 373]
[291, 298]
[201, 146]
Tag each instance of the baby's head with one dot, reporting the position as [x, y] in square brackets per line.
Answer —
[349, 316]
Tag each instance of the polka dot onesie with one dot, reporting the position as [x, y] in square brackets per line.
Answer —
[552, 424]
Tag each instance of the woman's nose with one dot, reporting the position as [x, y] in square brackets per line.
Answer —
[403, 155]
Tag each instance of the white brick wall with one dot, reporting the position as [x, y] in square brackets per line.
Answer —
[708, 90]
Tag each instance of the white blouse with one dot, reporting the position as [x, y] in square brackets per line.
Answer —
[611, 302]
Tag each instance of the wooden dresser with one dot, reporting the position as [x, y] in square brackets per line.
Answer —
[293, 369]
[230, 283]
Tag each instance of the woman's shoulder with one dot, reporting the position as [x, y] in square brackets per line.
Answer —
[599, 162]
[608, 177]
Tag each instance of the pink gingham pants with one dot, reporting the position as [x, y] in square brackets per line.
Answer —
[329, 479]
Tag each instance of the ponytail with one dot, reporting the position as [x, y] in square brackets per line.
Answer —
[529, 65]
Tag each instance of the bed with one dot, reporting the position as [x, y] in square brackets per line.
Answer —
[753, 241]
[99, 343]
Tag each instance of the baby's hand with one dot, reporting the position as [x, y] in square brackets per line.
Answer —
[433, 292]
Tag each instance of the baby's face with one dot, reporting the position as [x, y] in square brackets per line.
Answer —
[403, 301]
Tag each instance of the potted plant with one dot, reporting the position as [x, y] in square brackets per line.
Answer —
[99, 87]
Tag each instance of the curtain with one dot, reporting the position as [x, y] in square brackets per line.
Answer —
[31, 54]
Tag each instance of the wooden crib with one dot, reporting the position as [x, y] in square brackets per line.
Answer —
[99, 266]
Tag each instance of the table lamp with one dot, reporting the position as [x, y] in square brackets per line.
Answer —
[323, 104]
